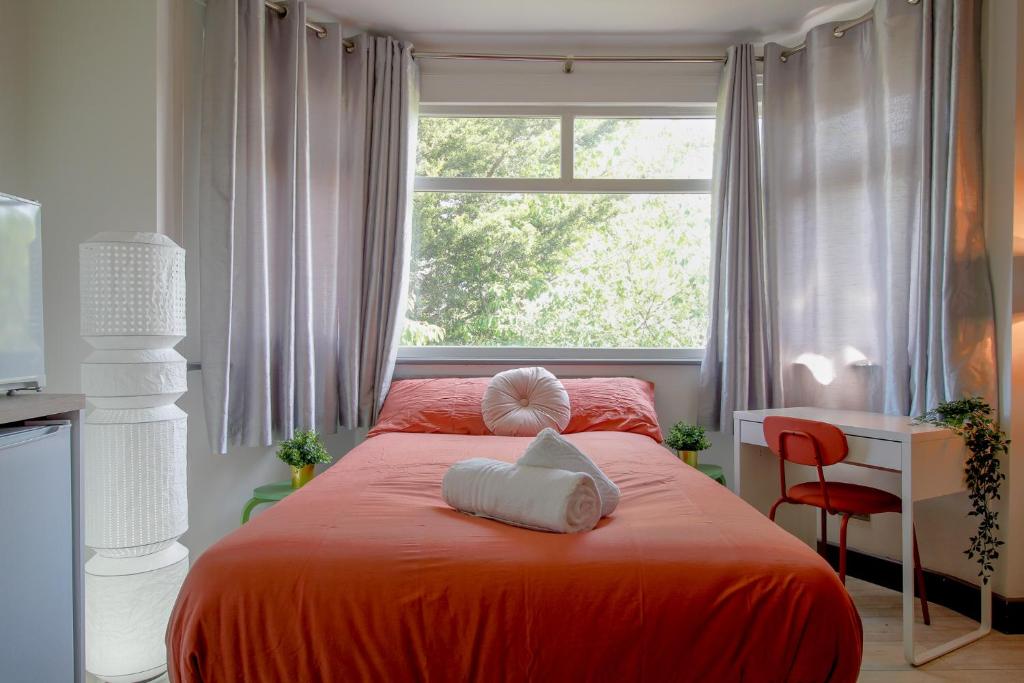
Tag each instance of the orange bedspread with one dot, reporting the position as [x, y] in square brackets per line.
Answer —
[366, 575]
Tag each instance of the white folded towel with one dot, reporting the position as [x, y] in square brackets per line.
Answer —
[531, 497]
[550, 449]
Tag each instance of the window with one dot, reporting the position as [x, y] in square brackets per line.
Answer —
[574, 228]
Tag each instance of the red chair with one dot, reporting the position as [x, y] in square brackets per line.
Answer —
[819, 444]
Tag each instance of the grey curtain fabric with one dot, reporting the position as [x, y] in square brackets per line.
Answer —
[952, 345]
[734, 374]
[278, 243]
[381, 102]
[878, 279]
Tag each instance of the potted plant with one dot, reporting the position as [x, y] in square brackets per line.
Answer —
[687, 440]
[971, 418]
[302, 452]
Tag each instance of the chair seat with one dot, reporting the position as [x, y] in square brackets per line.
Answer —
[846, 498]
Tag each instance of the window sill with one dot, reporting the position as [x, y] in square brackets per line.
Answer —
[478, 355]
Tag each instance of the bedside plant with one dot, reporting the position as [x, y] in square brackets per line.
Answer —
[687, 440]
[301, 452]
[971, 418]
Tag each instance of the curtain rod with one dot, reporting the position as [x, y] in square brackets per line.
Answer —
[319, 29]
[838, 31]
[568, 61]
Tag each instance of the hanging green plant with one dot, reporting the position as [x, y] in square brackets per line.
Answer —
[971, 418]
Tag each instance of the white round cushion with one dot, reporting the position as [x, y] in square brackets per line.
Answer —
[524, 401]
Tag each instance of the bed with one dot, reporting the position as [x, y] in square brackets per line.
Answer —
[366, 575]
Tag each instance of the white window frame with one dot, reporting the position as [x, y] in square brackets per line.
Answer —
[565, 183]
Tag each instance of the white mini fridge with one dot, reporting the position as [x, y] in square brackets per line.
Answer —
[36, 555]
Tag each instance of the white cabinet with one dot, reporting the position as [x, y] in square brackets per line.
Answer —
[40, 540]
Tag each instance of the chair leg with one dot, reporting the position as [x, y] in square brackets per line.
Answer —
[823, 547]
[919, 579]
[775, 506]
[842, 548]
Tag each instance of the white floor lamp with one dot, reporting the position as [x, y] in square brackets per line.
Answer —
[136, 507]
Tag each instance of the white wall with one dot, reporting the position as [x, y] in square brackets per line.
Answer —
[1003, 69]
[1014, 508]
[91, 134]
[13, 95]
[89, 138]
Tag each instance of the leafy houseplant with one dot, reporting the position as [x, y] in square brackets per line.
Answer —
[687, 440]
[971, 418]
[302, 451]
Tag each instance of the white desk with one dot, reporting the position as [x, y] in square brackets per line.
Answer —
[930, 461]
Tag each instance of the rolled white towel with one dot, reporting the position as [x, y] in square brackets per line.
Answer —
[551, 449]
[532, 497]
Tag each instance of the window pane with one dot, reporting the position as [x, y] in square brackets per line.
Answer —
[644, 148]
[559, 270]
[489, 147]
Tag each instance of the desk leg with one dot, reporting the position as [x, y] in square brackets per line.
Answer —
[906, 557]
[984, 628]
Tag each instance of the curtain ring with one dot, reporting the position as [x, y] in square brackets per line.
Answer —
[569, 65]
[838, 32]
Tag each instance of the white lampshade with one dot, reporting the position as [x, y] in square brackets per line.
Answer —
[132, 290]
[137, 378]
[136, 486]
[134, 441]
[128, 605]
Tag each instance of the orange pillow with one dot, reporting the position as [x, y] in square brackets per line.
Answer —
[612, 404]
[444, 405]
[451, 405]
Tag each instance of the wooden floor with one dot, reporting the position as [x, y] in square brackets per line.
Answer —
[996, 657]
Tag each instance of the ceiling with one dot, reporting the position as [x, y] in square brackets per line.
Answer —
[605, 22]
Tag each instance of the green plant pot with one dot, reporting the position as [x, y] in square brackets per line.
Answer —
[301, 476]
[689, 457]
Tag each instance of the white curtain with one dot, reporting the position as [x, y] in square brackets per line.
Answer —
[381, 106]
[878, 279]
[734, 374]
[278, 244]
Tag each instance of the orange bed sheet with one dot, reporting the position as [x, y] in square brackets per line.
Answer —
[366, 575]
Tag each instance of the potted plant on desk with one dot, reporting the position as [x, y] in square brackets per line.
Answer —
[687, 440]
[302, 452]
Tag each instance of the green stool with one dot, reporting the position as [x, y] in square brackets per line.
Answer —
[713, 471]
[268, 493]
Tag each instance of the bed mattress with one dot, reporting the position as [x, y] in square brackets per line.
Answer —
[366, 575]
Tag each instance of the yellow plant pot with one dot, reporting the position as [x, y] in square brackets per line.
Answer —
[301, 476]
[689, 457]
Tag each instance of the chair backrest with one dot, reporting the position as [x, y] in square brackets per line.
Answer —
[797, 440]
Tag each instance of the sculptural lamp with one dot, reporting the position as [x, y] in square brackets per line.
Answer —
[136, 507]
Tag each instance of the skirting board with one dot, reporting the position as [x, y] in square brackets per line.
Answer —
[956, 594]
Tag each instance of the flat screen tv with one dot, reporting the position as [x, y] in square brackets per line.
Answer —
[21, 295]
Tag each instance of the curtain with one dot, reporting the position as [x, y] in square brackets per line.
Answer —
[878, 279]
[381, 104]
[734, 374]
[952, 346]
[278, 242]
